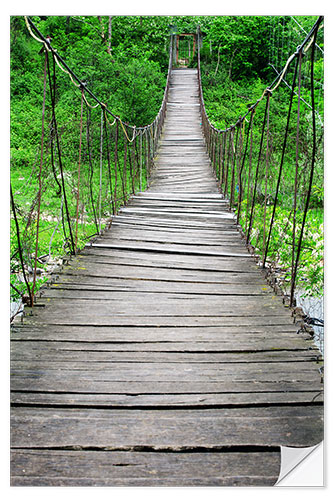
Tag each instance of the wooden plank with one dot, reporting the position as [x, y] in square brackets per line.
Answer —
[217, 337]
[176, 239]
[107, 269]
[157, 286]
[214, 250]
[113, 302]
[230, 306]
[114, 272]
[180, 222]
[163, 429]
[145, 291]
[164, 400]
[168, 371]
[172, 212]
[69, 351]
[138, 342]
[111, 468]
[159, 321]
[36, 383]
[147, 195]
[202, 262]
[205, 235]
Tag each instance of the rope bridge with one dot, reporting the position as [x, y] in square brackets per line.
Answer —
[242, 155]
[158, 355]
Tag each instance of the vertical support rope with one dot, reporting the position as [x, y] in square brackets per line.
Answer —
[39, 196]
[146, 158]
[109, 162]
[296, 165]
[79, 173]
[149, 157]
[72, 245]
[19, 245]
[249, 176]
[234, 158]
[91, 169]
[221, 163]
[137, 161]
[100, 174]
[231, 132]
[52, 123]
[140, 162]
[266, 171]
[214, 143]
[121, 170]
[115, 196]
[240, 182]
[256, 176]
[281, 164]
[314, 147]
[130, 159]
[125, 172]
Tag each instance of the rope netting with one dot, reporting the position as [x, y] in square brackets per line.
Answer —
[272, 174]
[113, 160]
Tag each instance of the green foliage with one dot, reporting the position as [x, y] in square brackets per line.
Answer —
[242, 42]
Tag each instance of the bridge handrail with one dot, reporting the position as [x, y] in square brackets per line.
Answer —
[219, 142]
[161, 113]
[130, 167]
[301, 49]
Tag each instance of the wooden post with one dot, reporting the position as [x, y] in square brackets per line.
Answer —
[140, 162]
[177, 48]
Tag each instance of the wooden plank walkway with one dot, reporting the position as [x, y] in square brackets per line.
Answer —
[161, 356]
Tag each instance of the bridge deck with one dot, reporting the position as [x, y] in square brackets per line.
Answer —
[162, 357]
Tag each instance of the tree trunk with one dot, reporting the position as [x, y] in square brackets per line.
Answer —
[110, 35]
[231, 59]
[68, 18]
[218, 60]
[102, 27]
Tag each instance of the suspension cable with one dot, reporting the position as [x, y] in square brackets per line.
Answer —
[298, 24]
[39, 196]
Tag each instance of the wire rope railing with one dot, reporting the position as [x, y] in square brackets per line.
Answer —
[252, 163]
[114, 160]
